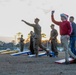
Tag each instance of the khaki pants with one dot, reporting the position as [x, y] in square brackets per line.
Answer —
[21, 46]
[54, 46]
[37, 43]
[64, 42]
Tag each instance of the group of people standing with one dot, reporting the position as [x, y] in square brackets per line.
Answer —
[67, 31]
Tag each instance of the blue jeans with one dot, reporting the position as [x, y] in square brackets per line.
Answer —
[72, 44]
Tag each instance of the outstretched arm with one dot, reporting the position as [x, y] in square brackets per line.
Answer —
[28, 23]
[53, 20]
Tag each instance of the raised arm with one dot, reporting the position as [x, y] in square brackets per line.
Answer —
[28, 23]
[53, 20]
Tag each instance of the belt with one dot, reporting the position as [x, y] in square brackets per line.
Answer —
[63, 35]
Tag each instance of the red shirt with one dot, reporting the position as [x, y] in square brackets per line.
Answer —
[65, 27]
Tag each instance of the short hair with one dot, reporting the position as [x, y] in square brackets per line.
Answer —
[37, 19]
[71, 17]
[52, 25]
[21, 35]
[31, 31]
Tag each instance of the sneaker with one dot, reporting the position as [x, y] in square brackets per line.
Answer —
[47, 52]
[50, 55]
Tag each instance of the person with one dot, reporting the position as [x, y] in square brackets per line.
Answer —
[37, 31]
[73, 35]
[32, 42]
[65, 32]
[53, 38]
[21, 43]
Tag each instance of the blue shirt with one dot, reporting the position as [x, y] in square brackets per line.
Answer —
[73, 29]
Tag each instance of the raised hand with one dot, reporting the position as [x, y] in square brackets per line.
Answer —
[52, 12]
[22, 20]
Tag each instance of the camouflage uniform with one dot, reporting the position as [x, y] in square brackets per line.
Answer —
[53, 38]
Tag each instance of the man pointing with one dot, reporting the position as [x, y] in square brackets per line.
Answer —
[37, 31]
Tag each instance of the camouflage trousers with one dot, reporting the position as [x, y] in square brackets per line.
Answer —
[36, 44]
[54, 46]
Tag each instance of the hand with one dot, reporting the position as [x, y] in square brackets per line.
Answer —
[52, 12]
[68, 37]
[22, 20]
[53, 37]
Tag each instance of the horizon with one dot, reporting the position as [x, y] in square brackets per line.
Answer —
[7, 39]
[13, 11]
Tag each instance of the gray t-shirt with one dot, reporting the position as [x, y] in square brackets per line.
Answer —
[37, 30]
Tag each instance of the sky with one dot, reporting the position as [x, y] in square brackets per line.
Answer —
[13, 11]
